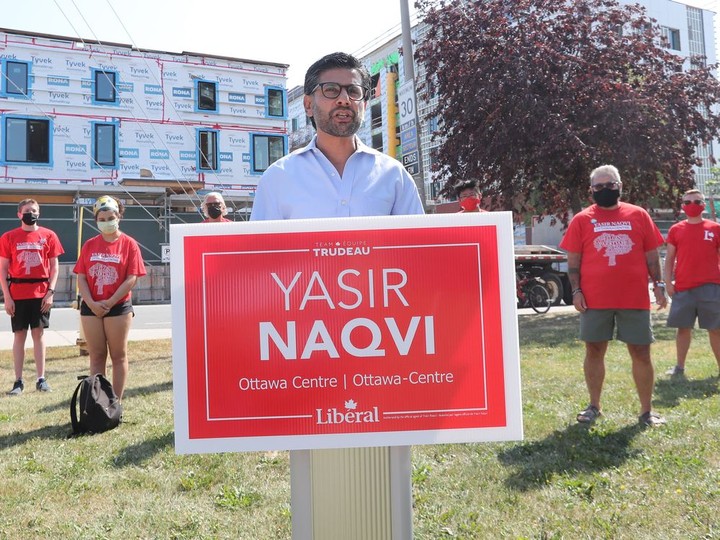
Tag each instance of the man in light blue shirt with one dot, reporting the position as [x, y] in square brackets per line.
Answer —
[336, 175]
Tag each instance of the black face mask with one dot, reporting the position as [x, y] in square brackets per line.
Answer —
[606, 197]
[214, 211]
[28, 218]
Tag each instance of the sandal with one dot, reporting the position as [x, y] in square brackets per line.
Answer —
[651, 419]
[589, 415]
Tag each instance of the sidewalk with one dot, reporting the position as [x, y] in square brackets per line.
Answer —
[64, 338]
[151, 322]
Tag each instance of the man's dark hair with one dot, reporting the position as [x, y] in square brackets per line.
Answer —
[333, 61]
[463, 185]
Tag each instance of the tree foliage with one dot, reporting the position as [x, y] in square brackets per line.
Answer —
[534, 94]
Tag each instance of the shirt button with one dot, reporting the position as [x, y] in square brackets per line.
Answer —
[343, 202]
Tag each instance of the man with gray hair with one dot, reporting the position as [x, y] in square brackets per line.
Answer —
[612, 251]
[213, 208]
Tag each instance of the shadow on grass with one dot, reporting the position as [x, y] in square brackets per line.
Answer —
[668, 392]
[149, 389]
[134, 392]
[17, 438]
[548, 329]
[564, 328]
[576, 449]
[138, 453]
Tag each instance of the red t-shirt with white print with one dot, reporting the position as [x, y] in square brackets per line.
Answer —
[612, 243]
[106, 265]
[29, 254]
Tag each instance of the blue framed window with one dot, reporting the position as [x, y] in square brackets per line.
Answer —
[104, 145]
[206, 94]
[275, 102]
[672, 36]
[105, 87]
[26, 140]
[207, 145]
[16, 78]
[266, 150]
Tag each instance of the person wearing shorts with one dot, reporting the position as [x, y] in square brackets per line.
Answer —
[612, 252]
[28, 274]
[693, 253]
[107, 270]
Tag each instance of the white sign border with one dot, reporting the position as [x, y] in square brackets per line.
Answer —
[510, 344]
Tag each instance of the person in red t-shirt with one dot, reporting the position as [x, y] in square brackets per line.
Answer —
[612, 250]
[214, 208]
[693, 251]
[469, 196]
[107, 270]
[28, 274]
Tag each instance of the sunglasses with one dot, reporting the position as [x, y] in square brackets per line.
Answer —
[604, 185]
[694, 202]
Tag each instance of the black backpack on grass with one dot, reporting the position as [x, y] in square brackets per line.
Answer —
[100, 408]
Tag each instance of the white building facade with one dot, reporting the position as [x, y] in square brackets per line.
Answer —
[87, 113]
[689, 31]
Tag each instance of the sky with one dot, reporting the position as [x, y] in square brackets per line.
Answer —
[294, 32]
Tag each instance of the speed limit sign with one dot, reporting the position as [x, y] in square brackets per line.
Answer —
[406, 104]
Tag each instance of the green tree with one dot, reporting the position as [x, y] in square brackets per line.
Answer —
[534, 94]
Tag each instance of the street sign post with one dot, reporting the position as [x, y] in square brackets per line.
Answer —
[409, 136]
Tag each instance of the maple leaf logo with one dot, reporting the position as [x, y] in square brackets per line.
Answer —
[351, 404]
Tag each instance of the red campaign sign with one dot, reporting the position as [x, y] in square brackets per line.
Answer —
[342, 332]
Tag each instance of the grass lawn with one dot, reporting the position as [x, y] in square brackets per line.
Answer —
[564, 481]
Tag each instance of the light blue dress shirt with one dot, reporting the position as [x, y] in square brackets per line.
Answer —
[305, 184]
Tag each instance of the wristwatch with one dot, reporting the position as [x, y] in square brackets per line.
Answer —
[51, 291]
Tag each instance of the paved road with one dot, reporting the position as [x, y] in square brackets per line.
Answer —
[151, 322]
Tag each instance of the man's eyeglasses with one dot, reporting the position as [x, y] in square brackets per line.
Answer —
[331, 90]
[696, 201]
[604, 185]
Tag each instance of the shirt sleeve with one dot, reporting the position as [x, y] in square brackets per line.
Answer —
[265, 205]
[4, 249]
[79, 267]
[653, 237]
[571, 241]
[56, 248]
[136, 265]
[408, 199]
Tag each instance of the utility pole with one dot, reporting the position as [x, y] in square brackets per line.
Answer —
[407, 102]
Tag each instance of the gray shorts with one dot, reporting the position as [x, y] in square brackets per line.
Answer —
[633, 325]
[701, 302]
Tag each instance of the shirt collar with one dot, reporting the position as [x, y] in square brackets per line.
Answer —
[312, 145]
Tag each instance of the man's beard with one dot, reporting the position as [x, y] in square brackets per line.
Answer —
[327, 125]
